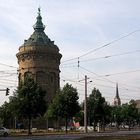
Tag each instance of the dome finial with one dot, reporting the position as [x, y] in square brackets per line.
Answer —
[39, 25]
[39, 9]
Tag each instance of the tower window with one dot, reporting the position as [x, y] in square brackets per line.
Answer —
[52, 77]
[27, 74]
[40, 77]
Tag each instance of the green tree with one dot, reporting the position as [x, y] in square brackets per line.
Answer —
[117, 116]
[65, 104]
[126, 114]
[79, 117]
[96, 106]
[30, 99]
[5, 115]
[54, 108]
[129, 113]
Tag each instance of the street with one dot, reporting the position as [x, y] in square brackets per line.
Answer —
[49, 137]
[72, 136]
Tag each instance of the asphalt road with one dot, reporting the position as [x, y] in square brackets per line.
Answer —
[49, 137]
[72, 136]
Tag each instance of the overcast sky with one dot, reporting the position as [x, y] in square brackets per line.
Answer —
[78, 27]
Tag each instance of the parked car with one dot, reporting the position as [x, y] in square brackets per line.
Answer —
[4, 131]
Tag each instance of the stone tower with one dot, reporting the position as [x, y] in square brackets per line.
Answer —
[39, 58]
[117, 100]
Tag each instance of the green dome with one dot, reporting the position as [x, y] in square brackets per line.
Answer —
[39, 37]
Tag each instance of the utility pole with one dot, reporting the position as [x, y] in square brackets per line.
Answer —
[85, 105]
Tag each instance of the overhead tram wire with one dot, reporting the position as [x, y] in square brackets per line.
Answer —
[106, 45]
[113, 55]
[103, 57]
[8, 65]
[71, 80]
[119, 73]
[132, 86]
[103, 77]
[126, 72]
[96, 74]
[116, 40]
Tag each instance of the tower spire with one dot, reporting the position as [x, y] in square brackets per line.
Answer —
[117, 100]
[117, 91]
[39, 26]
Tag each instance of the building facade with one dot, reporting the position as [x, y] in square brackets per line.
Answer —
[39, 58]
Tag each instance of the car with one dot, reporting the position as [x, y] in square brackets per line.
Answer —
[4, 131]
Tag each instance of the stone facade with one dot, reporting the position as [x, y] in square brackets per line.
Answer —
[39, 58]
[137, 105]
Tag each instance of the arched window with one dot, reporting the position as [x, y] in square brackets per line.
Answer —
[52, 77]
[40, 77]
[27, 74]
[19, 77]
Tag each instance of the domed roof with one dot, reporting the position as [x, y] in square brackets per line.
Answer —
[39, 37]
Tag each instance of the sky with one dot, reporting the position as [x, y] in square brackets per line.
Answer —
[97, 38]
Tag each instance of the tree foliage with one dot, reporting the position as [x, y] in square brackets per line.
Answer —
[5, 115]
[96, 105]
[65, 104]
[126, 114]
[30, 98]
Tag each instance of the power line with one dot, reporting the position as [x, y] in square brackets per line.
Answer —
[113, 55]
[82, 94]
[104, 78]
[126, 72]
[8, 65]
[102, 57]
[120, 38]
[96, 74]
[106, 45]
[8, 80]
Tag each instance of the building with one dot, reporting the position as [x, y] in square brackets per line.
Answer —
[117, 100]
[39, 58]
[137, 105]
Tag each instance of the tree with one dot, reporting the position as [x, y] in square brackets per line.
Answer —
[30, 99]
[5, 115]
[65, 104]
[117, 116]
[130, 113]
[126, 114]
[96, 108]
[54, 108]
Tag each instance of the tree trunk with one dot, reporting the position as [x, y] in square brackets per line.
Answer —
[29, 125]
[29, 115]
[66, 124]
